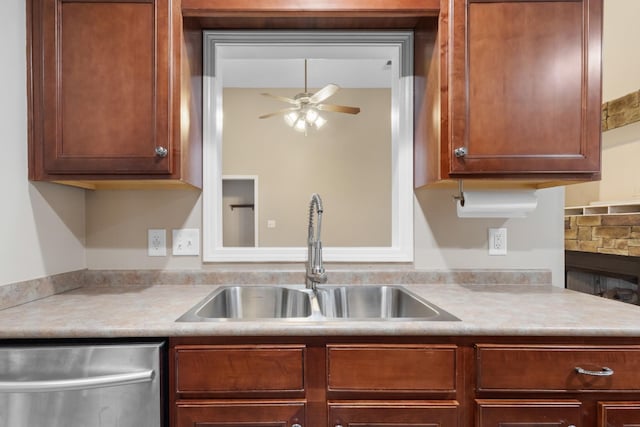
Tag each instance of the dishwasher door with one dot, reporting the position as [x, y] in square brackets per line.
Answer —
[105, 385]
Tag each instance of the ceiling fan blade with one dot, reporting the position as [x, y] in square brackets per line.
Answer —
[282, 98]
[338, 108]
[279, 112]
[324, 93]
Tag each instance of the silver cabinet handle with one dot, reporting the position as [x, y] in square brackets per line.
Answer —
[460, 152]
[161, 152]
[76, 383]
[604, 372]
[296, 425]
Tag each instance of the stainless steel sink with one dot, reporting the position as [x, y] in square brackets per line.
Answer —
[344, 303]
[376, 302]
[251, 303]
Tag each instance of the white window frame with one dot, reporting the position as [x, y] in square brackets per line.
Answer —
[219, 44]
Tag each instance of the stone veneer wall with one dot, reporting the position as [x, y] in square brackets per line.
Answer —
[607, 234]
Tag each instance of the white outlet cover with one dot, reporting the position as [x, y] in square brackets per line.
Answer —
[157, 242]
[186, 241]
[497, 241]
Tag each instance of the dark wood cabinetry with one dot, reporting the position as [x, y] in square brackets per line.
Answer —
[105, 93]
[313, 384]
[521, 378]
[404, 381]
[394, 414]
[534, 413]
[504, 89]
[519, 94]
[241, 414]
[618, 414]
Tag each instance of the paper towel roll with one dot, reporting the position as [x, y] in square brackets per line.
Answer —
[497, 204]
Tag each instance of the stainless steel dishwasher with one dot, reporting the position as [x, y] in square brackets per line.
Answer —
[102, 385]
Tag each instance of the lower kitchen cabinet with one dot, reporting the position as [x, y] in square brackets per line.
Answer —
[530, 413]
[203, 413]
[404, 382]
[394, 414]
[618, 414]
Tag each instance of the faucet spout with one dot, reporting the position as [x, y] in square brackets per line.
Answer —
[315, 272]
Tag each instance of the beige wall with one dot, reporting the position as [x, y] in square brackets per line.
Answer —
[621, 62]
[41, 225]
[621, 75]
[117, 223]
[347, 162]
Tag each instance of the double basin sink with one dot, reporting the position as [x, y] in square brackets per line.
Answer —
[326, 303]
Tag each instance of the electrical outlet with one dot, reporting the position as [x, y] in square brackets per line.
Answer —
[497, 241]
[157, 242]
[186, 241]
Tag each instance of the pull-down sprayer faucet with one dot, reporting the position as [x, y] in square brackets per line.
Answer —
[315, 270]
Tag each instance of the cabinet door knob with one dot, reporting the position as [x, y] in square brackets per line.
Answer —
[460, 152]
[296, 425]
[161, 152]
[604, 372]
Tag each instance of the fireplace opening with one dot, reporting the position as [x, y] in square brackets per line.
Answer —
[609, 276]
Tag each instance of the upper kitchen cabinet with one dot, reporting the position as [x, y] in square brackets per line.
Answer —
[519, 92]
[111, 99]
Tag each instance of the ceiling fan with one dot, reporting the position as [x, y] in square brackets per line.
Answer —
[305, 112]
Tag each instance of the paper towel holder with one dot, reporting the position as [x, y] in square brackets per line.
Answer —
[460, 195]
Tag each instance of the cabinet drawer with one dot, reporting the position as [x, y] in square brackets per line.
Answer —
[401, 413]
[528, 413]
[395, 368]
[618, 414]
[554, 368]
[239, 369]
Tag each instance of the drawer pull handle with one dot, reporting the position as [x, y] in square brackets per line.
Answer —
[604, 372]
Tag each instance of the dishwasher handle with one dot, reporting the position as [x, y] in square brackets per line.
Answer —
[99, 381]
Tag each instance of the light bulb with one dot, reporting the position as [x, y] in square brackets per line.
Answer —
[300, 125]
[311, 116]
[291, 118]
[320, 121]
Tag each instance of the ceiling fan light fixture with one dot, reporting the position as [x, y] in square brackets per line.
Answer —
[305, 118]
[306, 113]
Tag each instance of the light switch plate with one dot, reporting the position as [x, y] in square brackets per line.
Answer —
[157, 242]
[186, 241]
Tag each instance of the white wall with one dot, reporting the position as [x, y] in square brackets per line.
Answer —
[41, 225]
[443, 241]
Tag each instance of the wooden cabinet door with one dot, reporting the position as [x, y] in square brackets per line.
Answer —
[524, 88]
[618, 414]
[239, 413]
[528, 413]
[394, 414]
[101, 87]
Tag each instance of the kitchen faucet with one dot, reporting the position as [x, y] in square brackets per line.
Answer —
[315, 270]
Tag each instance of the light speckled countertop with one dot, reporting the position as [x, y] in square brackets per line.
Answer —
[151, 311]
